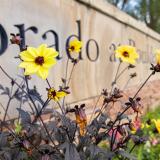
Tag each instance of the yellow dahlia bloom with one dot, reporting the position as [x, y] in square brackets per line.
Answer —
[157, 124]
[38, 60]
[75, 46]
[158, 56]
[127, 54]
[56, 95]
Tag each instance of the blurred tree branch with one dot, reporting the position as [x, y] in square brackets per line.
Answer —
[145, 10]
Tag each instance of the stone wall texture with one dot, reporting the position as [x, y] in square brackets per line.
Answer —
[149, 100]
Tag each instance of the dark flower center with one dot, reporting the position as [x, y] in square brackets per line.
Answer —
[53, 93]
[155, 130]
[72, 48]
[39, 60]
[125, 54]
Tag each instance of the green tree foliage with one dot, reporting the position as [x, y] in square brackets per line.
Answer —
[119, 3]
[147, 11]
[150, 12]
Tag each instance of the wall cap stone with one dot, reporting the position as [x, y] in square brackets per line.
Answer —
[108, 9]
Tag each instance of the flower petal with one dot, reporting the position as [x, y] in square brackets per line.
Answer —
[50, 52]
[157, 52]
[49, 63]
[56, 99]
[41, 49]
[33, 51]
[43, 72]
[24, 64]
[32, 68]
[61, 94]
[26, 56]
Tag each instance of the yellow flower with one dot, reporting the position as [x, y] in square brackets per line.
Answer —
[75, 46]
[157, 52]
[157, 124]
[56, 95]
[38, 60]
[132, 128]
[147, 125]
[143, 125]
[127, 54]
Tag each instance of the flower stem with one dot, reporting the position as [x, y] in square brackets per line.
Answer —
[7, 107]
[143, 84]
[125, 86]
[39, 115]
[71, 74]
[40, 112]
[65, 81]
[94, 108]
[13, 80]
[27, 93]
[129, 106]
[101, 110]
[114, 137]
[132, 148]
[119, 75]
[48, 83]
[60, 107]
[115, 79]
[8, 104]
[66, 68]
[135, 96]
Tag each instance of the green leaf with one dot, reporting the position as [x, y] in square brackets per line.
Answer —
[18, 127]
[126, 155]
